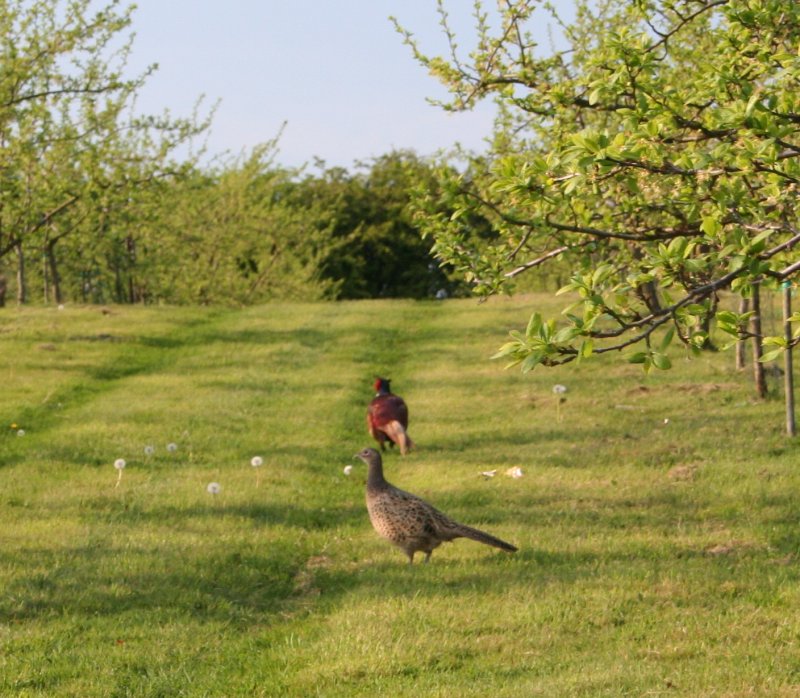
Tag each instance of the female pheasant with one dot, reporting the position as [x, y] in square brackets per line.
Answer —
[410, 522]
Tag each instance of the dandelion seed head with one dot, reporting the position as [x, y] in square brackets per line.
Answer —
[119, 464]
[256, 461]
[149, 450]
[348, 469]
[559, 389]
[21, 432]
[515, 472]
[213, 488]
[172, 447]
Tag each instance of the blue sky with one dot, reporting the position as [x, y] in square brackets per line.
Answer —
[334, 70]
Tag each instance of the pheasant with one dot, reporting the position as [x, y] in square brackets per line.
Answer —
[410, 522]
[387, 418]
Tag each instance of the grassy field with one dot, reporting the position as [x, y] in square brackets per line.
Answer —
[658, 522]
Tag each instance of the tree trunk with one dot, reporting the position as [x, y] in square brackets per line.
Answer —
[54, 277]
[788, 377]
[704, 326]
[131, 249]
[119, 286]
[741, 345]
[45, 277]
[20, 273]
[758, 352]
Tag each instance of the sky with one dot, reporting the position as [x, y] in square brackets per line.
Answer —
[334, 71]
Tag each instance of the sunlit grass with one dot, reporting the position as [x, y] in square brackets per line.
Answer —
[657, 520]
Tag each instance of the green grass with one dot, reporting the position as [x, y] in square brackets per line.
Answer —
[656, 558]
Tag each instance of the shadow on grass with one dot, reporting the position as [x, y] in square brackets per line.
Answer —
[235, 580]
[242, 581]
[99, 581]
[302, 518]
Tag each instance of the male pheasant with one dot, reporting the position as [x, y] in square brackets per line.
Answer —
[387, 418]
[410, 522]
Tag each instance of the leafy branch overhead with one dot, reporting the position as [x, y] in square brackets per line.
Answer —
[654, 160]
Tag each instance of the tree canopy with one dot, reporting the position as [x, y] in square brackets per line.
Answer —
[655, 158]
[74, 152]
[99, 203]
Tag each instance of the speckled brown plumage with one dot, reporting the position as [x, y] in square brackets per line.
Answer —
[410, 522]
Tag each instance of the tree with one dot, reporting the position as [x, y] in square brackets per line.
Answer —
[230, 234]
[657, 157]
[73, 153]
[377, 248]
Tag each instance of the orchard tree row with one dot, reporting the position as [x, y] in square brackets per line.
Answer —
[99, 203]
[649, 162]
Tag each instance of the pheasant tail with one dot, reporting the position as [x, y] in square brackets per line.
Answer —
[483, 537]
[397, 433]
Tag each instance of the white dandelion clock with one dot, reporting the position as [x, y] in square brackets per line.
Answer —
[20, 432]
[213, 488]
[515, 472]
[172, 447]
[149, 451]
[257, 462]
[119, 464]
[347, 469]
[559, 391]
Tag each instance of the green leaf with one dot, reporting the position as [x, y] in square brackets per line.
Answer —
[667, 340]
[761, 236]
[572, 184]
[751, 103]
[534, 324]
[711, 226]
[566, 334]
[772, 355]
[532, 361]
[601, 273]
[696, 309]
[661, 361]
[727, 317]
[638, 358]
[506, 350]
